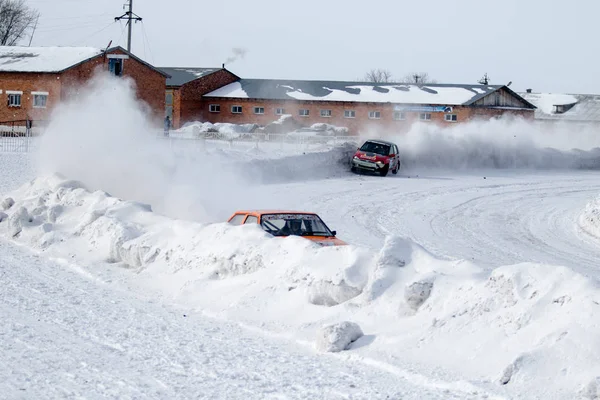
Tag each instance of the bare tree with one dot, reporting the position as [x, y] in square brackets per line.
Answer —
[378, 75]
[418, 77]
[16, 19]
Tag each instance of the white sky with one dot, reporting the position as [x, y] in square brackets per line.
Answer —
[547, 45]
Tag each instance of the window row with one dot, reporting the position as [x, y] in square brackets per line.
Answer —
[327, 113]
[13, 98]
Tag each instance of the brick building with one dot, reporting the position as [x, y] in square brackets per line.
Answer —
[186, 88]
[358, 105]
[35, 79]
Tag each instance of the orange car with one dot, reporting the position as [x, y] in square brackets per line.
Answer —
[286, 223]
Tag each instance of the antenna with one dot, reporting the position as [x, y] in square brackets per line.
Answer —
[129, 16]
[485, 80]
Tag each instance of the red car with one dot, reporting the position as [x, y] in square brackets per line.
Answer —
[377, 156]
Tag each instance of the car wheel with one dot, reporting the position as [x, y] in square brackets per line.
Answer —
[353, 169]
[384, 170]
[396, 168]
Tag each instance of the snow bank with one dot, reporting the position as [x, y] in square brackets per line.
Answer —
[501, 143]
[528, 330]
[338, 337]
[589, 220]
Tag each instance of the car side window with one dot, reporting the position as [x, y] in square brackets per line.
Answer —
[395, 149]
[237, 219]
[251, 220]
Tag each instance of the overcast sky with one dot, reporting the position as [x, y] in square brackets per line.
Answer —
[546, 45]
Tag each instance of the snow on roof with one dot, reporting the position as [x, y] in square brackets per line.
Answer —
[43, 59]
[579, 107]
[546, 102]
[441, 94]
[181, 76]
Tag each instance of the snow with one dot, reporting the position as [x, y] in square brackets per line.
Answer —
[515, 322]
[546, 101]
[407, 94]
[43, 59]
[589, 220]
[338, 337]
[233, 90]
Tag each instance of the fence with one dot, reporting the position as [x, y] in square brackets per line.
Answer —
[22, 140]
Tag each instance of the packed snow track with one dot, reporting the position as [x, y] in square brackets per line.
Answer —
[492, 218]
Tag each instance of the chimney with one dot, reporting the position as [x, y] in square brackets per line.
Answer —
[529, 90]
[223, 66]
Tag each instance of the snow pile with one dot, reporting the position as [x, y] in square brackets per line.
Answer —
[338, 337]
[589, 220]
[501, 143]
[525, 329]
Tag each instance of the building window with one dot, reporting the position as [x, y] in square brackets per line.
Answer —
[279, 111]
[374, 114]
[14, 99]
[215, 108]
[451, 117]
[236, 109]
[304, 112]
[259, 110]
[169, 97]
[326, 113]
[399, 116]
[349, 113]
[115, 66]
[425, 117]
[39, 100]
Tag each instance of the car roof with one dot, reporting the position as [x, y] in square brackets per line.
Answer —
[380, 142]
[263, 212]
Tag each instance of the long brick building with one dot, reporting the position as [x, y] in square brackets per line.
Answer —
[33, 80]
[217, 95]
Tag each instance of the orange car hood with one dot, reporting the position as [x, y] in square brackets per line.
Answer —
[326, 241]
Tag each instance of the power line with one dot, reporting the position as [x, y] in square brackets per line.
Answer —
[129, 16]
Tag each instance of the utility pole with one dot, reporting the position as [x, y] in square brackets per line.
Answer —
[129, 16]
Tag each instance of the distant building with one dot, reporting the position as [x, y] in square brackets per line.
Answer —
[581, 109]
[217, 95]
[35, 79]
[360, 105]
[186, 88]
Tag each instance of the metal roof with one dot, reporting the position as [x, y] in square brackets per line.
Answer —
[180, 76]
[272, 89]
[581, 107]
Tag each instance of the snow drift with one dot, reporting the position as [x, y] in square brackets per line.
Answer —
[524, 329]
[589, 220]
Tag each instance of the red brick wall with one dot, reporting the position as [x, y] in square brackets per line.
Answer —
[360, 123]
[190, 104]
[27, 83]
[150, 85]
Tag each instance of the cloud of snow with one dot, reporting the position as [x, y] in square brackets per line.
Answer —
[105, 138]
[497, 143]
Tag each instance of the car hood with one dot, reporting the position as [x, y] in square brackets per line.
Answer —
[326, 241]
[365, 155]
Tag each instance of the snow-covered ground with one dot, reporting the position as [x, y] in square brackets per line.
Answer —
[471, 274]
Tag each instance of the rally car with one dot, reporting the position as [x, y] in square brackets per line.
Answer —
[376, 156]
[289, 223]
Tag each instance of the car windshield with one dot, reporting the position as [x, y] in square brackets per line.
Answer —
[377, 148]
[294, 224]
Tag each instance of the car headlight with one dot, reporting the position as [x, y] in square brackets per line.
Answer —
[355, 158]
[379, 164]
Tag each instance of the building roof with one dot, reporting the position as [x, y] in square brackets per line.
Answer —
[43, 59]
[565, 107]
[53, 59]
[440, 94]
[181, 76]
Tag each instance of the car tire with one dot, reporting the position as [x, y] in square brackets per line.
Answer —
[396, 168]
[353, 169]
[384, 171]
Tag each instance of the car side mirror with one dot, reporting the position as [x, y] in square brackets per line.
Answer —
[334, 233]
[392, 155]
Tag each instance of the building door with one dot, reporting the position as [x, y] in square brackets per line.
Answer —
[169, 104]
